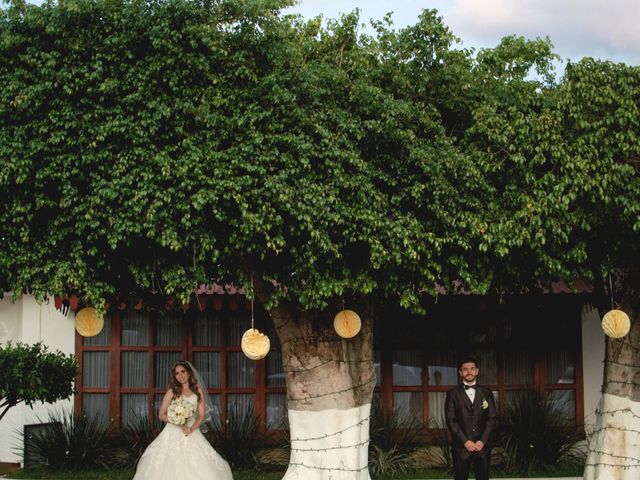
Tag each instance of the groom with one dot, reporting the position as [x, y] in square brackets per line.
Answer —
[470, 412]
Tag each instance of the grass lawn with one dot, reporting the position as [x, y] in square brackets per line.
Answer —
[123, 475]
[569, 471]
[79, 475]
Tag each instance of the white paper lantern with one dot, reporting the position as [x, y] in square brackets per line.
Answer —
[616, 323]
[347, 323]
[88, 322]
[255, 345]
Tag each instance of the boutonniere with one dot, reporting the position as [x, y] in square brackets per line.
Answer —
[485, 404]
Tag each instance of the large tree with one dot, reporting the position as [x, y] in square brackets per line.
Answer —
[150, 147]
[567, 204]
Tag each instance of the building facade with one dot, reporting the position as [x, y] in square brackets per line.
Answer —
[549, 343]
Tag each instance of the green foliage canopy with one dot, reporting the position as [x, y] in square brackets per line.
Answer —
[30, 374]
[156, 146]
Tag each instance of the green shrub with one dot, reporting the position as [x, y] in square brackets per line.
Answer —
[133, 439]
[440, 435]
[391, 439]
[73, 442]
[386, 463]
[537, 435]
[239, 438]
[30, 374]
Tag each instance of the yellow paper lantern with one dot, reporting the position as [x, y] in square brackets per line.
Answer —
[255, 345]
[88, 322]
[347, 323]
[616, 323]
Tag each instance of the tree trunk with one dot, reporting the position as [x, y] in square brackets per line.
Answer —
[614, 445]
[330, 384]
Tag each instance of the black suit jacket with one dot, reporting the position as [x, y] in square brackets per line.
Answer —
[468, 421]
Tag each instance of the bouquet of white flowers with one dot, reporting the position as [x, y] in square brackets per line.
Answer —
[180, 411]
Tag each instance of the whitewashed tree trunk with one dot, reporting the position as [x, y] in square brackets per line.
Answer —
[614, 445]
[330, 384]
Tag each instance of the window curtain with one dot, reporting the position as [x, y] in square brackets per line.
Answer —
[564, 401]
[133, 408]
[164, 362]
[518, 368]
[276, 410]
[95, 369]
[407, 367]
[207, 330]
[436, 410]
[275, 372]
[408, 406]
[96, 405]
[240, 371]
[377, 361]
[443, 367]
[134, 369]
[135, 329]
[240, 404]
[239, 322]
[169, 330]
[560, 367]
[208, 366]
[103, 338]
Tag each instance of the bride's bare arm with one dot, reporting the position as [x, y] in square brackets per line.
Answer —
[200, 417]
[165, 405]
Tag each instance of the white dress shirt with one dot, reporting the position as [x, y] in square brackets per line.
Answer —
[471, 392]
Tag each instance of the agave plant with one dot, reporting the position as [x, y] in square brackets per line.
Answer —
[386, 463]
[135, 436]
[441, 440]
[537, 434]
[392, 437]
[239, 438]
[69, 441]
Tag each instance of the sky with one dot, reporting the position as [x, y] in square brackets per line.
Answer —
[602, 29]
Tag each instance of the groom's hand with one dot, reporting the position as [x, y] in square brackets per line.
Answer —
[479, 445]
[470, 446]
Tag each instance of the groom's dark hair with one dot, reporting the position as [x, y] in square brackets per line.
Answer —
[467, 359]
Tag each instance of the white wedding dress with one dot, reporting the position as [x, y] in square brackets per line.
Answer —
[176, 456]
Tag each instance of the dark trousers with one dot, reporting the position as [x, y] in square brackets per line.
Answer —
[463, 459]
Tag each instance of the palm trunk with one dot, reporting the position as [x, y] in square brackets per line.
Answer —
[614, 445]
[330, 384]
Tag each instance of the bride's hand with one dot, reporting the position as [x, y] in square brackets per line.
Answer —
[186, 430]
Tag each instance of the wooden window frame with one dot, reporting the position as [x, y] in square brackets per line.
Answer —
[383, 342]
[386, 345]
[187, 349]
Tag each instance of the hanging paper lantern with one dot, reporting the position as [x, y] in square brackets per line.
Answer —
[616, 323]
[347, 323]
[88, 322]
[255, 345]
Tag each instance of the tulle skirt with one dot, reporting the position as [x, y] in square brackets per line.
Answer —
[176, 456]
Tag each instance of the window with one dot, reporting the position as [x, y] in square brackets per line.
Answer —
[125, 369]
[526, 343]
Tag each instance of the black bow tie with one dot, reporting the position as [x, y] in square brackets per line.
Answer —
[467, 387]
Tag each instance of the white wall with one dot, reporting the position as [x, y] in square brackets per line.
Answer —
[29, 322]
[593, 346]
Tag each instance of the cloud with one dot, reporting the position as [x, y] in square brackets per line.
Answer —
[598, 28]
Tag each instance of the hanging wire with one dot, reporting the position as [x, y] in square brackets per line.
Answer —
[252, 295]
[611, 290]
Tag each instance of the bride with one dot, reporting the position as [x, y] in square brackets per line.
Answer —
[181, 451]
